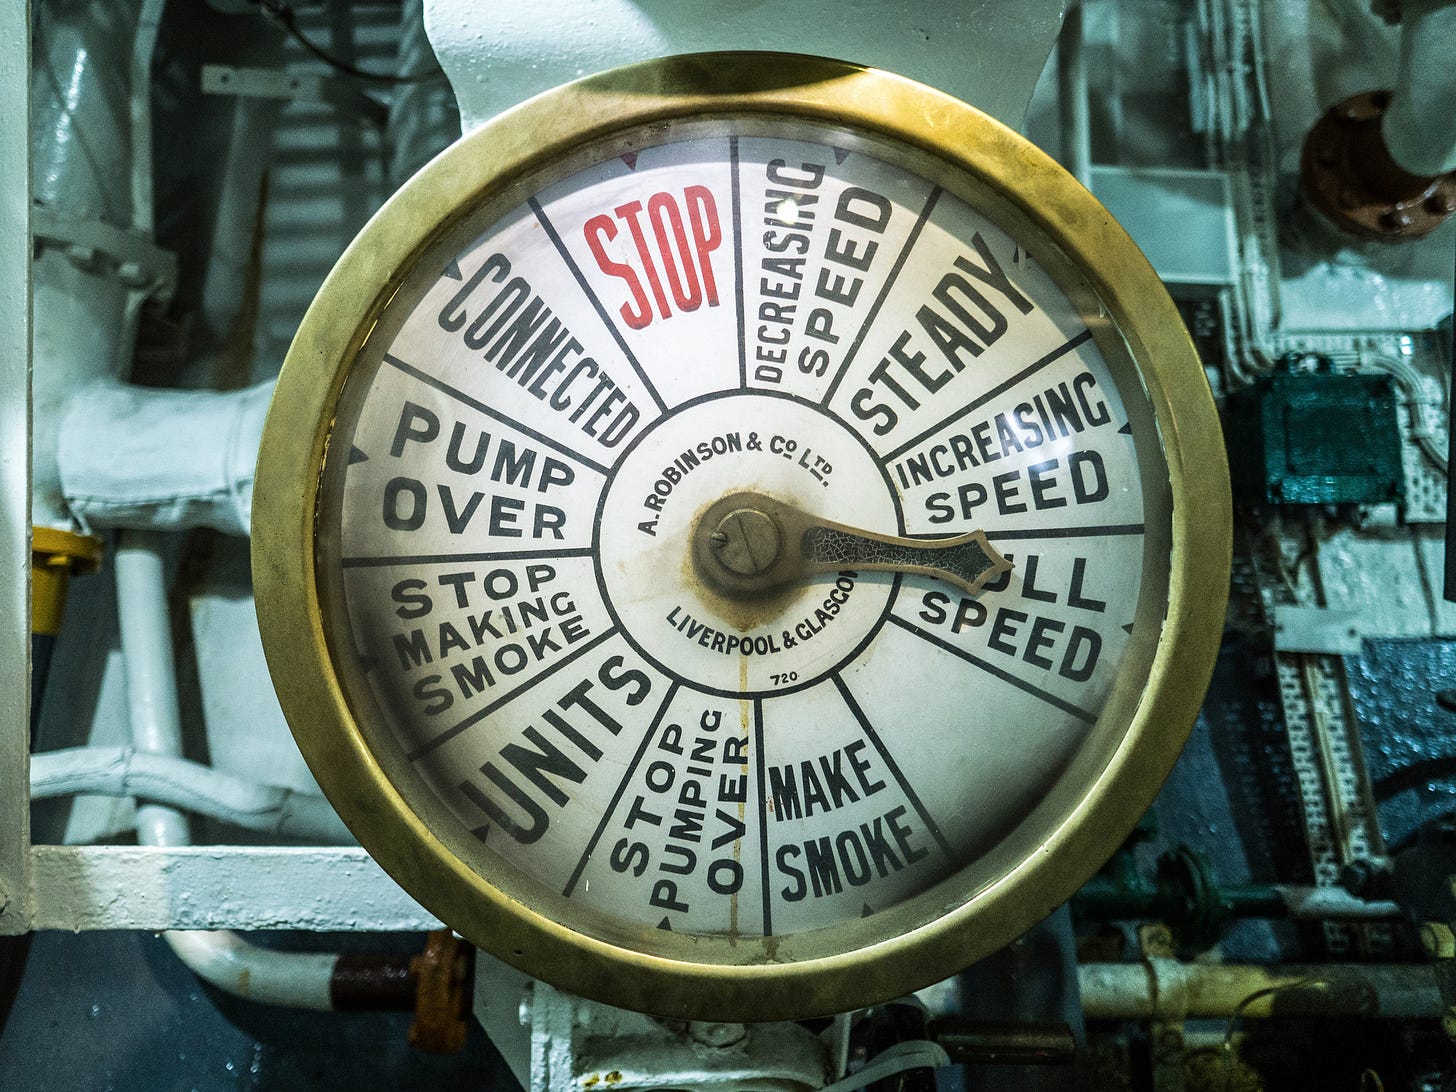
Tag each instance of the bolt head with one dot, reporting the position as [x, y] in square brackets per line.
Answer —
[1394, 219]
[746, 541]
[1442, 202]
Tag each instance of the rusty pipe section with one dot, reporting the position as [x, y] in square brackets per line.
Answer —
[435, 984]
[1168, 989]
[1382, 164]
[439, 977]
[1347, 172]
[984, 1042]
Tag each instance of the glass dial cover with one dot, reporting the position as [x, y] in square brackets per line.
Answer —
[742, 530]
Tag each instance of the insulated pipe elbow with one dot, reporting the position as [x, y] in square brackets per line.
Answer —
[1420, 126]
[162, 460]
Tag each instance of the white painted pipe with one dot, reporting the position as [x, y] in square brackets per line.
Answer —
[1420, 126]
[300, 980]
[151, 676]
[149, 459]
[1167, 989]
[190, 786]
[1310, 903]
[1072, 106]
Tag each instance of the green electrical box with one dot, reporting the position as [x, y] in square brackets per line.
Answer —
[1314, 438]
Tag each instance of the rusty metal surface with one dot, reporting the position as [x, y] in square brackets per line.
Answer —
[444, 976]
[1347, 173]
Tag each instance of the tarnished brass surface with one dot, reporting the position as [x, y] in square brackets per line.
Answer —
[1128, 752]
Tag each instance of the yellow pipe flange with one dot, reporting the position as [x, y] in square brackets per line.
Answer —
[56, 556]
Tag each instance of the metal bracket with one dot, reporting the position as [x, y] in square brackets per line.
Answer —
[210, 887]
[97, 246]
[576, 1044]
[1155, 944]
[1329, 764]
[249, 82]
[1316, 629]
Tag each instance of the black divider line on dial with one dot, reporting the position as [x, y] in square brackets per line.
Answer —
[738, 260]
[488, 556]
[496, 415]
[991, 669]
[1095, 530]
[611, 807]
[759, 763]
[995, 392]
[874, 310]
[480, 714]
[555, 237]
[905, 787]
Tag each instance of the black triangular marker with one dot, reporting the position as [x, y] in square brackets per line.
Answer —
[866, 912]
[665, 924]
[630, 158]
[840, 155]
[1127, 628]
[452, 270]
[1126, 429]
[356, 456]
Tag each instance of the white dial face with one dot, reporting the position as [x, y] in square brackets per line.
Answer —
[517, 484]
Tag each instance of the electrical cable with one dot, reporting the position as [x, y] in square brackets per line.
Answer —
[900, 1058]
[1423, 431]
[190, 786]
[1227, 1052]
[278, 11]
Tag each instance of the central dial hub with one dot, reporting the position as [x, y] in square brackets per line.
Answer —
[702, 574]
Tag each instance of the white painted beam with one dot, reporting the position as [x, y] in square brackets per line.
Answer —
[217, 887]
[14, 463]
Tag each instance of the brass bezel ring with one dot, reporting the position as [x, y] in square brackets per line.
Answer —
[1146, 726]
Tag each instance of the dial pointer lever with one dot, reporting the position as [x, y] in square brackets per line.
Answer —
[748, 542]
